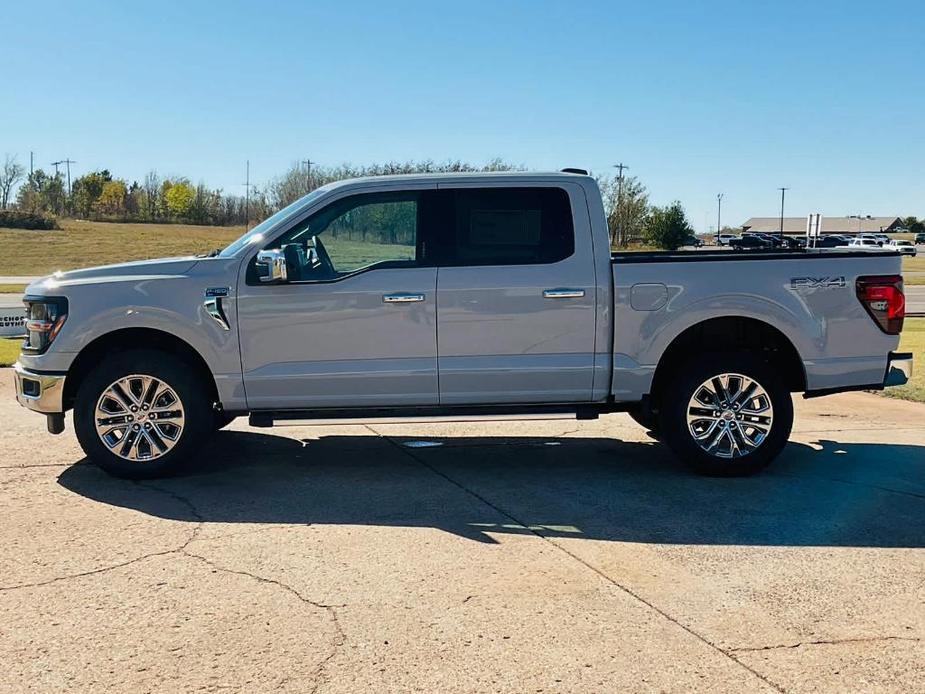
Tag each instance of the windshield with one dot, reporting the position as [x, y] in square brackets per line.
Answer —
[256, 234]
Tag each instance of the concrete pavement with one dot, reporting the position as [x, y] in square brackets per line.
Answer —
[529, 556]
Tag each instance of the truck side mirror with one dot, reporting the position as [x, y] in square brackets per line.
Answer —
[274, 262]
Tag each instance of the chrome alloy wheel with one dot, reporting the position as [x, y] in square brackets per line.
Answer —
[730, 415]
[139, 418]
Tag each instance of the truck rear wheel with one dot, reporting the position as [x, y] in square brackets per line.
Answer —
[142, 414]
[726, 414]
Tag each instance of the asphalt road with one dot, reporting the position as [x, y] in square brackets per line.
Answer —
[514, 557]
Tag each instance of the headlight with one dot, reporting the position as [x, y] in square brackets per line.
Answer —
[44, 319]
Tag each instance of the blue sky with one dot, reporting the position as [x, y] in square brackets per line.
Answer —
[697, 98]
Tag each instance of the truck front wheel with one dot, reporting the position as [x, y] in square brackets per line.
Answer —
[726, 414]
[142, 414]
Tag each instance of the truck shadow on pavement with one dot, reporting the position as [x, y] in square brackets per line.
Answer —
[833, 494]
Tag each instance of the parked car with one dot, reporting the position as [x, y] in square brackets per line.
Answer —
[920, 238]
[792, 242]
[773, 240]
[455, 296]
[903, 247]
[692, 241]
[832, 241]
[864, 242]
[724, 239]
[750, 241]
[879, 239]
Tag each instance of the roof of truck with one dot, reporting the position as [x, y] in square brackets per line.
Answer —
[458, 175]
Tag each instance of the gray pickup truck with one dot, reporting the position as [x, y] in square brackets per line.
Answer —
[461, 296]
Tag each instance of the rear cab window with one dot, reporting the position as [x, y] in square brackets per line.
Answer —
[505, 226]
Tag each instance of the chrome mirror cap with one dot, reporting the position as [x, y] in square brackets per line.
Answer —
[275, 262]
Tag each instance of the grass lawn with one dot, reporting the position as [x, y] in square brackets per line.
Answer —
[84, 244]
[9, 350]
[12, 288]
[913, 340]
[916, 264]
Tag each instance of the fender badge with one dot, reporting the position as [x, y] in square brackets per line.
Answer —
[217, 291]
[800, 283]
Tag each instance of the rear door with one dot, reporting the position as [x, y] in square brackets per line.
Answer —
[516, 296]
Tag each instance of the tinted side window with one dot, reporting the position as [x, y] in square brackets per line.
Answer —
[510, 226]
[353, 234]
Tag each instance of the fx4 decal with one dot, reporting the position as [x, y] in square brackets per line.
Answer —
[799, 283]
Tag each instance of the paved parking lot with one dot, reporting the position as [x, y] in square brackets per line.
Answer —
[523, 557]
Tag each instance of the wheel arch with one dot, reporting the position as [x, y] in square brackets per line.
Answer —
[732, 333]
[134, 338]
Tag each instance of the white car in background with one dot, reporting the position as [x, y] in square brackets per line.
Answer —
[864, 242]
[904, 247]
[725, 239]
[879, 239]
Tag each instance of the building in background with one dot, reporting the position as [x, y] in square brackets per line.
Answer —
[796, 226]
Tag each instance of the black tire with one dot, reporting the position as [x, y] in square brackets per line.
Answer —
[181, 377]
[646, 418]
[687, 380]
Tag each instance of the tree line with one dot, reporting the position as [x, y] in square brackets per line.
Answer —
[99, 195]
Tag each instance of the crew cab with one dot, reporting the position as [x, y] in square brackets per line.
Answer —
[456, 296]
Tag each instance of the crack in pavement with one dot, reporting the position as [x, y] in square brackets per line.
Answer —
[826, 642]
[340, 637]
[182, 549]
[726, 653]
[112, 567]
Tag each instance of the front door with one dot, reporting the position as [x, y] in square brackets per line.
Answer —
[354, 325]
[516, 297]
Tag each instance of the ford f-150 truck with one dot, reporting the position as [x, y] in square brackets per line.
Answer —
[456, 296]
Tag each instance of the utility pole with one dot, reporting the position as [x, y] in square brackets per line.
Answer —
[67, 163]
[31, 164]
[719, 210]
[782, 192]
[620, 167]
[308, 163]
[247, 194]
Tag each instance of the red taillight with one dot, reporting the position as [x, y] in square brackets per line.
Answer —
[883, 297]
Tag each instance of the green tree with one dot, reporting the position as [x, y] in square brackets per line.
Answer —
[112, 198]
[86, 191]
[667, 227]
[626, 207]
[178, 197]
[42, 193]
[914, 224]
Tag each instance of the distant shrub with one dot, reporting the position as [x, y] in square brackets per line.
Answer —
[20, 219]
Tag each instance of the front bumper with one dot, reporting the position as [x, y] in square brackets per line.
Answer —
[38, 391]
[898, 369]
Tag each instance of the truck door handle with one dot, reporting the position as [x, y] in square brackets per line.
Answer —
[563, 293]
[401, 298]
